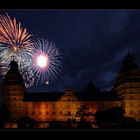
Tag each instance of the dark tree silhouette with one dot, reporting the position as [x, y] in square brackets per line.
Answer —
[26, 122]
[110, 116]
[129, 123]
[82, 113]
[5, 116]
[99, 117]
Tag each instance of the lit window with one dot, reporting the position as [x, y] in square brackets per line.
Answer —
[53, 112]
[131, 111]
[131, 97]
[69, 113]
[131, 104]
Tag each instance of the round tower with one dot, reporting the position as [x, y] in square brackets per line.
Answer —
[127, 86]
[14, 91]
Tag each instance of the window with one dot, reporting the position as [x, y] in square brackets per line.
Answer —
[40, 113]
[131, 104]
[47, 112]
[131, 97]
[53, 112]
[61, 113]
[26, 112]
[69, 113]
[131, 111]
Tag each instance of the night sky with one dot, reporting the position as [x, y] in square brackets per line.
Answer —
[93, 43]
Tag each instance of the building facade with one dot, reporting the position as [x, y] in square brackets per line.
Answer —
[62, 106]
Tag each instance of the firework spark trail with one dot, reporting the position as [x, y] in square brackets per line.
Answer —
[50, 70]
[12, 34]
[28, 75]
[15, 42]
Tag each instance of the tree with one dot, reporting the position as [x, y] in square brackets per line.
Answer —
[128, 123]
[99, 117]
[26, 122]
[5, 116]
[109, 116]
[83, 113]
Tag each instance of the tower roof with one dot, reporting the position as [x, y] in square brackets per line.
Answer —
[128, 63]
[129, 71]
[13, 65]
[13, 75]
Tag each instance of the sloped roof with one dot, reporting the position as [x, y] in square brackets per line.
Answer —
[82, 96]
[42, 96]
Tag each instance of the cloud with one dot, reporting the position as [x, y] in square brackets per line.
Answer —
[93, 42]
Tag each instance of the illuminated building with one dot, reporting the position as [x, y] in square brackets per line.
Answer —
[127, 86]
[62, 106]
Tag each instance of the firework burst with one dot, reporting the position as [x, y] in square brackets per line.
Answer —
[28, 77]
[15, 42]
[12, 34]
[46, 61]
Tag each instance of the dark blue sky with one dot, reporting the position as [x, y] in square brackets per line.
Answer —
[93, 42]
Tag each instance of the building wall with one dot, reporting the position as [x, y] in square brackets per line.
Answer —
[66, 107]
[14, 100]
[129, 93]
[64, 110]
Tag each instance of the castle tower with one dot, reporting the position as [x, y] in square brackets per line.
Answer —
[127, 86]
[14, 91]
